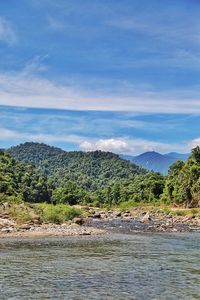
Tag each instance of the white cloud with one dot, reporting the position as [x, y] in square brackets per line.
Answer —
[124, 145]
[112, 145]
[7, 34]
[25, 89]
[194, 143]
[130, 146]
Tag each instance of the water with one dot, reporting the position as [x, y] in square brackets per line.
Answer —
[117, 266]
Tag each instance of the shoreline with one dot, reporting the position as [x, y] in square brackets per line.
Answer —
[99, 222]
[53, 230]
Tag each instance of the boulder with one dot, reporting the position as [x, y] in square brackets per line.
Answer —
[146, 218]
[117, 214]
[26, 227]
[96, 215]
[78, 221]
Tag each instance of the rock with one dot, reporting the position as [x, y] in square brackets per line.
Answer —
[146, 218]
[8, 230]
[6, 205]
[85, 233]
[5, 215]
[188, 218]
[36, 221]
[78, 221]
[103, 215]
[6, 223]
[25, 227]
[117, 214]
[126, 215]
[96, 215]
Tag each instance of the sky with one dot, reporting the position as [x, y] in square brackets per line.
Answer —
[113, 75]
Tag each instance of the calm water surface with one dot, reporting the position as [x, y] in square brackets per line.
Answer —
[117, 266]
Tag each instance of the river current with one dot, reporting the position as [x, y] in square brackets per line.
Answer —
[114, 266]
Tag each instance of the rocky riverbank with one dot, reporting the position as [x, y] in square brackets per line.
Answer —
[142, 219]
[10, 229]
[95, 221]
[23, 221]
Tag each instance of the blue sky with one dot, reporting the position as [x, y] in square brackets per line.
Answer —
[116, 75]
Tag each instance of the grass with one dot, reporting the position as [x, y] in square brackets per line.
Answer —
[132, 204]
[182, 212]
[20, 213]
[49, 213]
[56, 213]
[158, 206]
[24, 212]
[10, 199]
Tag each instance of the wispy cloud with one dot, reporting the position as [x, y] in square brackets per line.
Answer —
[7, 33]
[41, 137]
[55, 24]
[123, 145]
[169, 24]
[25, 89]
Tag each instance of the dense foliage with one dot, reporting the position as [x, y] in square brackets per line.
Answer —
[94, 177]
[91, 170]
[33, 152]
[18, 181]
[183, 181]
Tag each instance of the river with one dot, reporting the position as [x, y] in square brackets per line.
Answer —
[114, 266]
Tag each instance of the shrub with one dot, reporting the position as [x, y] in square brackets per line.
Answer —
[20, 213]
[57, 213]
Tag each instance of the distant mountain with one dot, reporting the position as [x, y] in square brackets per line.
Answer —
[155, 161]
[51, 160]
[178, 156]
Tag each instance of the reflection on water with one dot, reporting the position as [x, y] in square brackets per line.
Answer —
[148, 266]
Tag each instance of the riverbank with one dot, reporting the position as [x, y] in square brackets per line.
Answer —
[27, 220]
[146, 219]
[49, 230]
[95, 221]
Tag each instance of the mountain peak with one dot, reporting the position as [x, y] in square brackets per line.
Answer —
[152, 160]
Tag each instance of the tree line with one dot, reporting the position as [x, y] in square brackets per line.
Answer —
[40, 173]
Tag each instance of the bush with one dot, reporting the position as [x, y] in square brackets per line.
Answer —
[20, 213]
[57, 213]
[10, 199]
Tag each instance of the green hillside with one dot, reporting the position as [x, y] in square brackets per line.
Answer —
[91, 170]
[182, 184]
[21, 182]
[95, 177]
[33, 152]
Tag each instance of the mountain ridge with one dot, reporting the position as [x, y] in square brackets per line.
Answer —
[155, 161]
[91, 169]
[150, 160]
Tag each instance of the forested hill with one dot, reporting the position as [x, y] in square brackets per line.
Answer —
[19, 181]
[90, 170]
[34, 152]
[93, 177]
